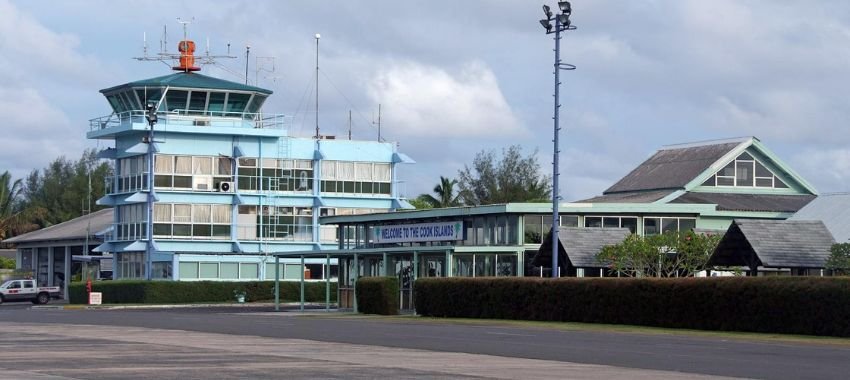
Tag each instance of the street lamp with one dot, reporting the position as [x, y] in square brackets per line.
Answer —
[561, 23]
[151, 118]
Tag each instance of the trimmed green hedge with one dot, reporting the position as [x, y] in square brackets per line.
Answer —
[792, 305]
[377, 295]
[197, 291]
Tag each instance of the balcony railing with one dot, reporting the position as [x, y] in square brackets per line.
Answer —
[196, 119]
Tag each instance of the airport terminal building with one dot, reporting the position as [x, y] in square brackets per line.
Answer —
[213, 184]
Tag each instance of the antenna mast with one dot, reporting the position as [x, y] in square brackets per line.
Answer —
[317, 84]
[186, 48]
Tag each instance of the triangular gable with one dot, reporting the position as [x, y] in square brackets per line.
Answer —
[757, 166]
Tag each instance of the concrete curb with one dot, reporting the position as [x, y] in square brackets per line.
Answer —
[176, 306]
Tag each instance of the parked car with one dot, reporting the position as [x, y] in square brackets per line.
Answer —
[26, 290]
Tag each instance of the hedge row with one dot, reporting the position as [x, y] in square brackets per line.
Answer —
[793, 305]
[377, 295]
[197, 291]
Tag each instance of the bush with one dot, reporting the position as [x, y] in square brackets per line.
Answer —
[793, 305]
[377, 295]
[154, 292]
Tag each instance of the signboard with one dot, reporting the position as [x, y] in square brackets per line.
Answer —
[408, 233]
[95, 298]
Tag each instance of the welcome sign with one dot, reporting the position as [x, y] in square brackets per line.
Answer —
[408, 233]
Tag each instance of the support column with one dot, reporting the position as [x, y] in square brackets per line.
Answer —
[386, 265]
[448, 263]
[302, 282]
[277, 283]
[520, 263]
[328, 282]
[413, 279]
[354, 282]
[67, 274]
[50, 273]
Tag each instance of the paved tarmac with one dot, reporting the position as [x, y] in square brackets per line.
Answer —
[60, 351]
[194, 342]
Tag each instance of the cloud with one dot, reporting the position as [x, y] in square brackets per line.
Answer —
[828, 168]
[429, 101]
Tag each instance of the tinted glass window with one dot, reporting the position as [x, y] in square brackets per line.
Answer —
[237, 102]
[198, 101]
[176, 99]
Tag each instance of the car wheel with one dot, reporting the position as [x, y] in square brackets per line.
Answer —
[43, 298]
[1, 299]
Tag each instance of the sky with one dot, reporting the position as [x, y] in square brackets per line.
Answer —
[454, 78]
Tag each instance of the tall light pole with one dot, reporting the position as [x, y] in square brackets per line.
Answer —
[562, 23]
[151, 117]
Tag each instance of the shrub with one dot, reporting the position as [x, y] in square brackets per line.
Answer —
[377, 295]
[839, 259]
[153, 292]
[795, 305]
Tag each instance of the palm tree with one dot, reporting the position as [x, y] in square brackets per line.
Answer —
[12, 219]
[446, 196]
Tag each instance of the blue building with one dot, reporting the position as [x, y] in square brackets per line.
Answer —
[230, 185]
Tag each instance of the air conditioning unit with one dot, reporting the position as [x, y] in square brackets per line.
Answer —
[225, 187]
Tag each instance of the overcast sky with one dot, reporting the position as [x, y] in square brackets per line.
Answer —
[456, 77]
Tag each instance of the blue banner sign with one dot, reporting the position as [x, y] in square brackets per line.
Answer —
[407, 233]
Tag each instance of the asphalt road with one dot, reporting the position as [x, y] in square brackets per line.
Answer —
[683, 354]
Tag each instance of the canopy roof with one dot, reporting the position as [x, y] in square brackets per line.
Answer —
[189, 80]
[579, 245]
[774, 244]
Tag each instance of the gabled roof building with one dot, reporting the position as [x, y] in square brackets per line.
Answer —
[701, 185]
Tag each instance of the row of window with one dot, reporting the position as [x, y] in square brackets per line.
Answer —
[745, 171]
[199, 102]
[192, 270]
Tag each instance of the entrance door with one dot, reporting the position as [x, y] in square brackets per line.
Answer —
[402, 265]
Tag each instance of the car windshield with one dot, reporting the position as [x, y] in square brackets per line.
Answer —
[6, 284]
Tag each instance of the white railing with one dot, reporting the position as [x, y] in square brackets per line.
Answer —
[195, 118]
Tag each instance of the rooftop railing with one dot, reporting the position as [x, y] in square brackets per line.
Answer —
[196, 119]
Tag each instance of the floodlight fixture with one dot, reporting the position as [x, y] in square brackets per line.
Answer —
[565, 7]
[547, 11]
[151, 114]
[564, 19]
[546, 24]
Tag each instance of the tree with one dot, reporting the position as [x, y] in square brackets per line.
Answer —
[420, 203]
[14, 218]
[839, 259]
[62, 188]
[445, 194]
[671, 254]
[511, 178]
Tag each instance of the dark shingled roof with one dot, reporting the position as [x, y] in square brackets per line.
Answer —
[580, 245]
[748, 202]
[190, 80]
[672, 168]
[630, 197]
[774, 244]
[71, 230]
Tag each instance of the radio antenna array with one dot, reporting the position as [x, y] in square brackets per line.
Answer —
[170, 58]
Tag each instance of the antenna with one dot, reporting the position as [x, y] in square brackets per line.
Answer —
[261, 64]
[317, 84]
[349, 124]
[247, 53]
[185, 57]
[379, 122]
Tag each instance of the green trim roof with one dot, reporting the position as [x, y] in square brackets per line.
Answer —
[189, 80]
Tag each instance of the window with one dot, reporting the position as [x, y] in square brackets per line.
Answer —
[656, 225]
[203, 221]
[745, 171]
[202, 173]
[356, 177]
[176, 100]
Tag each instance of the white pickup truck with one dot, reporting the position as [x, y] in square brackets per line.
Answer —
[26, 290]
